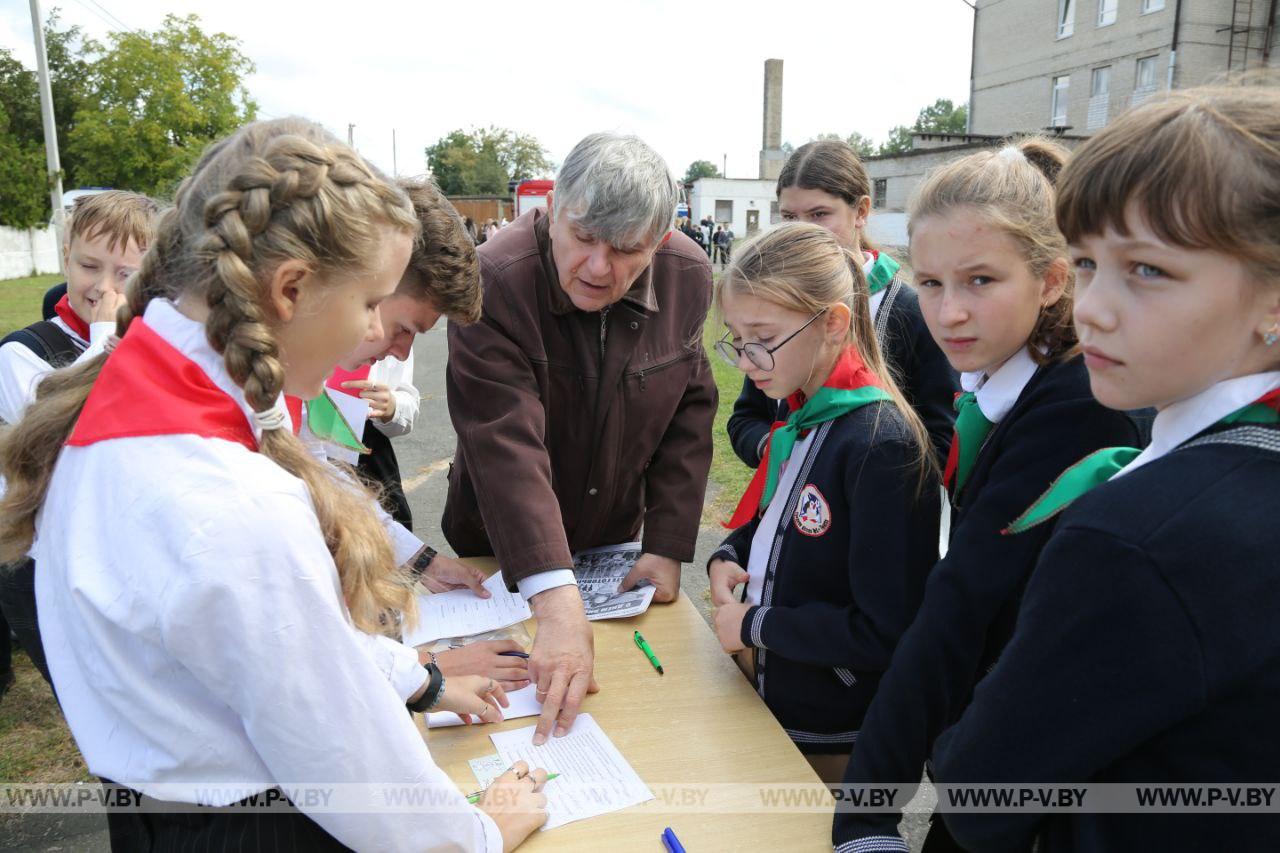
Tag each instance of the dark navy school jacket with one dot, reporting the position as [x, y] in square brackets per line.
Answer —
[919, 367]
[845, 576]
[1147, 650]
[972, 597]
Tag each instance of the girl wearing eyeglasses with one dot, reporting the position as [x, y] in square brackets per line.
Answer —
[839, 527]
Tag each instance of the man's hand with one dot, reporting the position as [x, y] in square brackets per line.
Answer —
[382, 403]
[662, 572]
[728, 622]
[562, 659]
[725, 575]
[449, 573]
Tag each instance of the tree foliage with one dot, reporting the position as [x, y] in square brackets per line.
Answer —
[701, 169]
[483, 161]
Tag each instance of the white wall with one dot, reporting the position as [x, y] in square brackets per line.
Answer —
[745, 194]
[887, 229]
[23, 251]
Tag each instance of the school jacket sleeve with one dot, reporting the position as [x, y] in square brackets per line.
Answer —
[679, 467]
[21, 371]
[880, 490]
[927, 378]
[398, 377]
[1104, 657]
[937, 662]
[282, 655]
[752, 418]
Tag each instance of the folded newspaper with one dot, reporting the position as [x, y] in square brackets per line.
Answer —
[600, 571]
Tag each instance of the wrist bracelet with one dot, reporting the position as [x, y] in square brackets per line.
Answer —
[431, 695]
[423, 561]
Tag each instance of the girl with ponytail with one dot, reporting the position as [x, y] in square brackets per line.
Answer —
[209, 592]
[995, 281]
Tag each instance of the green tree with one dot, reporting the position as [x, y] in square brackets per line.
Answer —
[700, 169]
[861, 144]
[942, 116]
[483, 161]
[899, 140]
[24, 188]
[154, 101]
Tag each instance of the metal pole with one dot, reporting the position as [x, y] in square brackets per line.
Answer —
[50, 129]
[724, 168]
[395, 169]
[351, 135]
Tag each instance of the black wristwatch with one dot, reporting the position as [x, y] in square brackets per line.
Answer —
[423, 560]
[435, 689]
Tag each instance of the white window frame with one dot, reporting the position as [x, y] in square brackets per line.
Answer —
[1149, 6]
[1066, 18]
[1058, 100]
[1095, 77]
[1149, 61]
[1105, 8]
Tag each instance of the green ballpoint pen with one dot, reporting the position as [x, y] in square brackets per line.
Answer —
[648, 652]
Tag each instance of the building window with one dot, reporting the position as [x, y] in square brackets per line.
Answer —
[724, 210]
[1144, 79]
[1107, 12]
[880, 192]
[1152, 6]
[1066, 18]
[1099, 97]
[1058, 113]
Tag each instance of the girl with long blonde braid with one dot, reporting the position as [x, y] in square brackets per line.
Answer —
[209, 592]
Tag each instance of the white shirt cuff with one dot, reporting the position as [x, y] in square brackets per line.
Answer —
[543, 581]
[99, 332]
[403, 542]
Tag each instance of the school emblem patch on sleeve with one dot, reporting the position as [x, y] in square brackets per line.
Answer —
[813, 514]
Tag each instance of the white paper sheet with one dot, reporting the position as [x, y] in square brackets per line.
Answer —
[461, 613]
[599, 573]
[487, 768]
[594, 777]
[356, 411]
[521, 703]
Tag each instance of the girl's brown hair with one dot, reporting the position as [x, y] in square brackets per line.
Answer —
[1201, 167]
[273, 191]
[832, 167]
[1012, 188]
[801, 267]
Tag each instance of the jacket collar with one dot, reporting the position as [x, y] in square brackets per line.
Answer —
[641, 294]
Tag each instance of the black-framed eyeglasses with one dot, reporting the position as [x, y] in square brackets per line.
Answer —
[758, 354]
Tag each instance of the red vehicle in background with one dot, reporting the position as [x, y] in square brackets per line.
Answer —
[531, 194]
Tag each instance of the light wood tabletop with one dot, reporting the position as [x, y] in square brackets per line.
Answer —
[699, 736]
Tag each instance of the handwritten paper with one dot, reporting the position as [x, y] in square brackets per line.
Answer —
[461, 613]
[594, 777]
[487, 768]
[521, 703]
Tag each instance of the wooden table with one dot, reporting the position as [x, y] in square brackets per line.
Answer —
[699, 724]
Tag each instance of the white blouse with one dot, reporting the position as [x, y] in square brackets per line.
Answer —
[195, 628]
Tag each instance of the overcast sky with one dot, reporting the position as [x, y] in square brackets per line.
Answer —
[687, 77]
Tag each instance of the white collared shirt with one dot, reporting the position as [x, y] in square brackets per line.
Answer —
[398, 377]
[194, 624]
[1180, 421]
[877, 299]
[997, 393]
[21, 369]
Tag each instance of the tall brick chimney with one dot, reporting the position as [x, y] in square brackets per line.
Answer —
[771, 156]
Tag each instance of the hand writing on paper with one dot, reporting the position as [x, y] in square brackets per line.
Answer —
[446, 573]
[516, 803]
[728, 621]
[511, 672]
[725, 575]
[472, 696]
[662, 572]
[382, 403]
[562, 659]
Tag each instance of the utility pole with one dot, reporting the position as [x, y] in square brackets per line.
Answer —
[395, 169]
[724, 166]
[50, 129]
[351, 135]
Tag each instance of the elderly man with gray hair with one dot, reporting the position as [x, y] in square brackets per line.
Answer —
[583, 400]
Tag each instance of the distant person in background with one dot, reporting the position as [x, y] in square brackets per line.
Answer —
[728, 242]
[718, 244]
[490, 229]
[472, 232]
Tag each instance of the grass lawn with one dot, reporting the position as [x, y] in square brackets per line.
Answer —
[20, 300]
[729, 476]
[35, 744]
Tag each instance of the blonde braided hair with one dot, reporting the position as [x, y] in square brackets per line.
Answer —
[273, 191]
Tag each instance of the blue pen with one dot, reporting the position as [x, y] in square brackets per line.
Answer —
[670, 841]
[524, 655]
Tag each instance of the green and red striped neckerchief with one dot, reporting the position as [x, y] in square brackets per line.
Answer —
[850, 386]
[1101, 465]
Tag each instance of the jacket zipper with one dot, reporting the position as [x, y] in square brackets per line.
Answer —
[640, 374]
